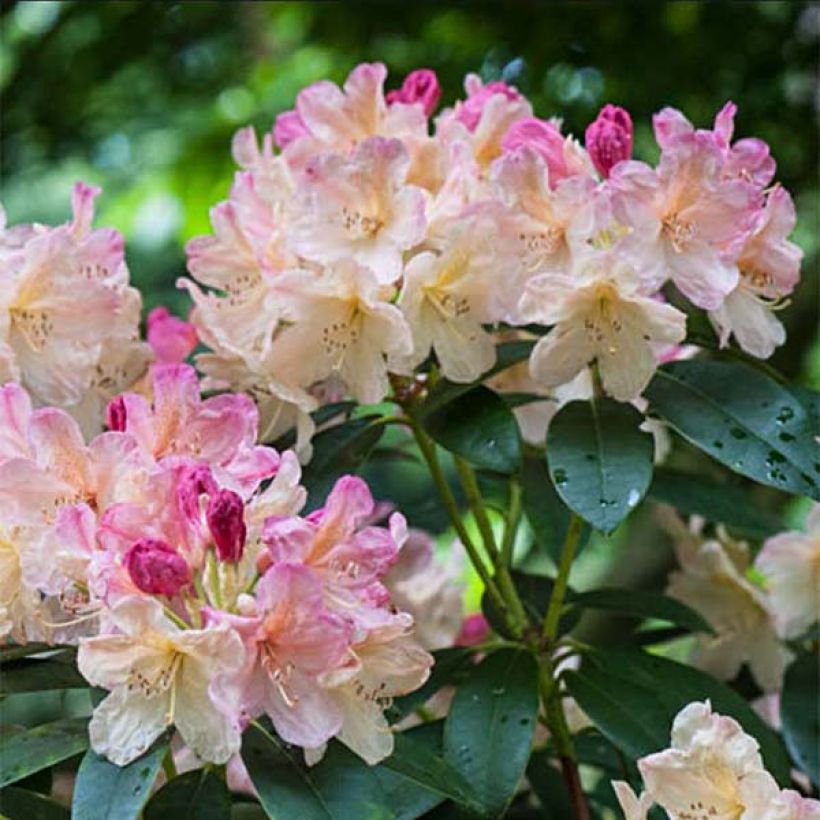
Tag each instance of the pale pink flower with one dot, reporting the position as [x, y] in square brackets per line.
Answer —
[68, 319]
[172, 339]
[562, 155]
[769, 268]
[685, 219]
[600, 314]
[712, 769]
[360, 208]
[343, 325]
[609, 138]
[290, 638]
[633, 807]
[419, 87]
[445, 301]
[790, 563]
[158, 676]
[712, 580]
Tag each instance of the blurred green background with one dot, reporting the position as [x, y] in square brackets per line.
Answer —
[143, 98]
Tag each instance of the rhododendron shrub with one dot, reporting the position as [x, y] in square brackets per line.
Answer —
[548, 328]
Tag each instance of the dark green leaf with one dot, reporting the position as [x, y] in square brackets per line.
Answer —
[14, 651]
[692, 494]
[599, 460]
[642, 604]
[338, 451]
[548, 516]
[342, 786]
[548, 784]
[800, 714]
[743, 419]
[450, 666]
[104, 791]
[534, 592]
[810, 399]
[24, 753]
[489, 729]
[633, 697]
[479, 427]
[507, 355]
[197, 795]
[37, 675]
[324, 414]
[19, 804]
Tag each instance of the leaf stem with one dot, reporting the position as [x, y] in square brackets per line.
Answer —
[513, 519]
[168, 765]
[549, 631]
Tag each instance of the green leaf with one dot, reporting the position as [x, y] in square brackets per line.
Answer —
[480, 427]
[197, 795]
[39, 675]
[642, 604]
[488, 731]
[743, 419]
[15, 651]
[548, 516]
[799, 713]
[535, 592]
[321, 416]
[444, 391]
[599, 460]
[548, 784]
[104, 791]
[344, 787]
[19, 804]
[719, 503]
[24, 753]
[450, 666]
[633, 697]
[338, 451]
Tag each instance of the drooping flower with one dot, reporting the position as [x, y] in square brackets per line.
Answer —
[158, 676]
[790, 563]
[360, 208]
[712, 769]
[600, 314]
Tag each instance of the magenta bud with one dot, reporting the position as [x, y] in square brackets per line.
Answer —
[225, 515]
[609, 138]
[419, 86]
[156, 567]
[115, 414]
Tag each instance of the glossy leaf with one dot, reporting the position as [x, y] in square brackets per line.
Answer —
[38, 675]
[21, 804]
[338, 451]
[104, 791]
[479, 427]
[548, 784]
[488, 731]
[642, 604]
[23, 753]
[599, 460]
[197, 795]
[692, 494]
[743, 419]
[800, 715]
[633, 697]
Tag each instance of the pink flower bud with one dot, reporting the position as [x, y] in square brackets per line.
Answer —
[225, 515]
[609, 138]
[115, 414]
[171, 338]
[474, 629]
[419, 86]
[289, 126]
[156, 568]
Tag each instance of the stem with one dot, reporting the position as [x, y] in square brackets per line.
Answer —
[168, 765]
[213, 579]
[428, 450]
[513, 519]
[502, 574]
[551, 619]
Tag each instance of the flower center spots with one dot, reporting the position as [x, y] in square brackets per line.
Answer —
[341, 335]
[372, 694]
[151, 685]
[541, 244]
[34, 325]
[278, 673]
[678, 231]
[359, 225]
[602, 323]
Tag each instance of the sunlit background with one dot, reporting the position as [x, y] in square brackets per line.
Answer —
[143, 98]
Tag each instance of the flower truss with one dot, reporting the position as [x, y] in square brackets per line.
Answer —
[193, 538]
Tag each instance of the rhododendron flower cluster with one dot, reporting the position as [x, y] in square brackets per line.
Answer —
[170, 548]
[374, 237]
